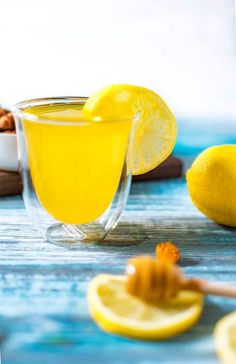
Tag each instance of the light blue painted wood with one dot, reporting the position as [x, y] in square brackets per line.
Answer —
[43, 311]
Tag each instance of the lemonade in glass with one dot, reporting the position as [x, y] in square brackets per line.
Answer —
[74, 169]
[77, 156]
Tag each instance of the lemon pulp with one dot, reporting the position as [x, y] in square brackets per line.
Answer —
[225, 338]
[117, 311]
[155, 130]
[75, 167]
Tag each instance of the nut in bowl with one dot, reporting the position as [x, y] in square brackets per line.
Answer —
[8, 143]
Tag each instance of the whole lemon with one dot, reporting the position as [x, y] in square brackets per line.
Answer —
[211, 183]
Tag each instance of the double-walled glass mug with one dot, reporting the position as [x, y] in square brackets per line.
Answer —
[76, 171]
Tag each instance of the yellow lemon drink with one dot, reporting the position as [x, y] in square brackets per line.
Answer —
[75, 165]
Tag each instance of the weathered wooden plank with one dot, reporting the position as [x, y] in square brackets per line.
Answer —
[43, 312]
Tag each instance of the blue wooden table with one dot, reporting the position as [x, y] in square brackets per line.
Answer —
[44, 316]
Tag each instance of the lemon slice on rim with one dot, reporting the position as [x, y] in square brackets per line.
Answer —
[225, 338]
[156, 129]
[116, 311]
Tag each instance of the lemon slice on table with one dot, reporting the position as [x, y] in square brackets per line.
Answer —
[156, 129]
[116, 311]
[225, 339]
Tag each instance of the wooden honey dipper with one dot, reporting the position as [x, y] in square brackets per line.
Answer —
[152, 280]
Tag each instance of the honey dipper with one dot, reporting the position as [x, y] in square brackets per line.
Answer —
[152, 280]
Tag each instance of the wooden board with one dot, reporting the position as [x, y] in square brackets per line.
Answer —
[172, 167]
[10, 183]
[44, 316]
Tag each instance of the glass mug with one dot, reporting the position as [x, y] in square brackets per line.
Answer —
[76, 172]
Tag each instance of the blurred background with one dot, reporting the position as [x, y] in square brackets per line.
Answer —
[185, 50]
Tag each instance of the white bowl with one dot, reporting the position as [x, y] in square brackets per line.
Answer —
[8, 152]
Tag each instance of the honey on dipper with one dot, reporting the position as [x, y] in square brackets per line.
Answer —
[152, 280]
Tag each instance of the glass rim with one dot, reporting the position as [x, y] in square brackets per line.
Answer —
[18, 110]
